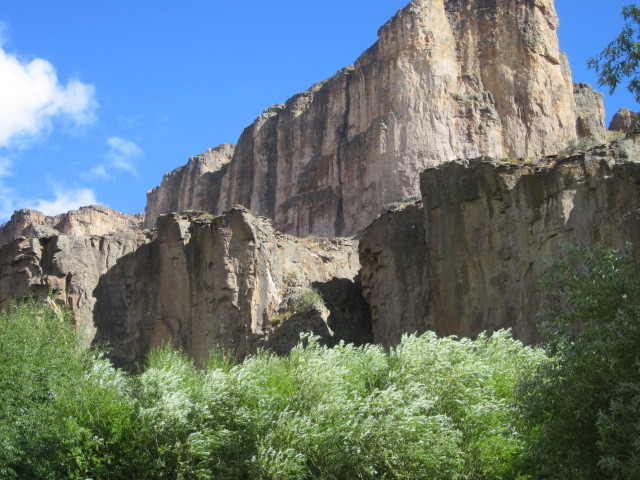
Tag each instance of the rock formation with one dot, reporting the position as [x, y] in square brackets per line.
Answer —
[227, 281]
[65, 266]
[91, 220]
[589, 108]
[625, 121]
[446, 79]
[475, 262]
[194, 186]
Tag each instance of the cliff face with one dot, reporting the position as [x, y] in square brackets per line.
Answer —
[91, 220]
[447, 79]
[194, 186]
[67, 267]
[488, 226]
[227, 281]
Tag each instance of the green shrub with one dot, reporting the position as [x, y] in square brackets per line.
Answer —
[431, 409]
[581, 409]
[307, 301]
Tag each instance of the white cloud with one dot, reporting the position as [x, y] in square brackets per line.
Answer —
[99, 171]
[5, 167]
[31, 98]
[122, 154]
[65, 201]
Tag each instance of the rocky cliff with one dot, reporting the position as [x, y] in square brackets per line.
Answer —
[470, 257]
[91, 220]
[65, 266]
[194, 186]
[200, 282]
[229, 281]
[446, 79]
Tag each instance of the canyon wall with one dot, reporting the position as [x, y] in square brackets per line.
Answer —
[199, 282]
[66, 267]
[194, 186]
[487, 227]
[91, 220]
[446, 79]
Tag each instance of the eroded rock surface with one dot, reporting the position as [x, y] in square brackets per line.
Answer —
[227, 281]
[194, 186]
[446, 79]
[91, 220]
[67, 267]
[488, 226]
[589, 110]
[625, 121]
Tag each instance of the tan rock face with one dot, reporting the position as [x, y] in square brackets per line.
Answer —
[589, 110]
[67, 267]
[194, 186]
[625, 121]
[227, 281]
[488, 227]
[91, 220]
[447, 79]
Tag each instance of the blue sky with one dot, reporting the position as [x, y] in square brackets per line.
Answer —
[99, 99]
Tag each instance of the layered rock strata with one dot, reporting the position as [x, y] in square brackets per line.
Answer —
[482, 236]
[446, 79]
[91, 220]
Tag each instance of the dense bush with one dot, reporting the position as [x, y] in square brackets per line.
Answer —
[432, 409]
[582, 408]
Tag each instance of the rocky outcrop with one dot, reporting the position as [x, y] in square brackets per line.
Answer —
[201, 282]
[589, 108]
[194, 186]
[66, 267]
[91, 220]
[446, 79]
[488, 226]
[227, 281]
[625, 121]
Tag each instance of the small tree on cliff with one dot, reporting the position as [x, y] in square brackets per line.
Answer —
[621, 58]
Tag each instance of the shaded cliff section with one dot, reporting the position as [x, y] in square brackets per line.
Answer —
[65, 267]
[198, 282]
[470, 255]
[446, 79]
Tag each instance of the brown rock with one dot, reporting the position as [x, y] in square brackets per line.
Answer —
[447, 79]
[194, 186]
[589, 110]
[66, 267]
[226, 282]
[625, 121]
[395, 278]
[488, 228]
[91, 220]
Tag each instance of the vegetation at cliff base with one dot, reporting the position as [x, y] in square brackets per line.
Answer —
[433, 408]
[582, 409]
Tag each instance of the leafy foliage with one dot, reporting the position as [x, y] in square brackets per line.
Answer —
[432, 409]
[582, 407]
[621, 58]
[307, 301]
